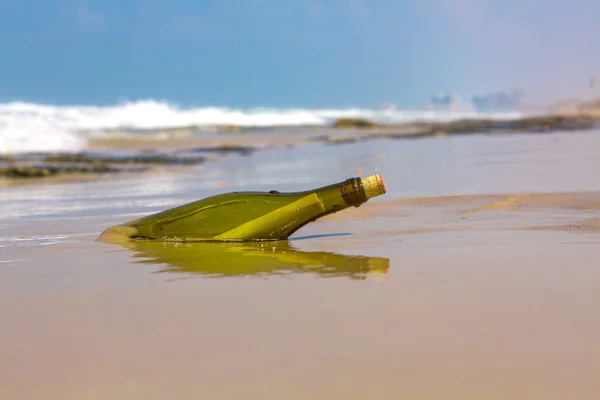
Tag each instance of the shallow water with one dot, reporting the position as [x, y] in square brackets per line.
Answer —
[425, 296]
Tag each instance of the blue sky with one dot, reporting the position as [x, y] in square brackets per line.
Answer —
[305, 53]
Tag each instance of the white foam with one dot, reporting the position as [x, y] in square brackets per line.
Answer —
[36, 134]
[27, 127]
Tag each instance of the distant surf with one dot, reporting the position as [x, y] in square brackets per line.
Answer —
[29, 127]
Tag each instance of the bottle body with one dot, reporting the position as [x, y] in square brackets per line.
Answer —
[245, 216]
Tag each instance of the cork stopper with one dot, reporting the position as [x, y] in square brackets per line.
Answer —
[373, 185]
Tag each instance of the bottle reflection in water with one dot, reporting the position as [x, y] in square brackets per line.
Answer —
[255, 259]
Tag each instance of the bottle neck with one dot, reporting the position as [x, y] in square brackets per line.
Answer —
[353, 192]
[333, 198]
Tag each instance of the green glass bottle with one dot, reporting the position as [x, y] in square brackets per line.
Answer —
[247, 216]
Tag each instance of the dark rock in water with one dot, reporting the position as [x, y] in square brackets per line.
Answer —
[528, 124]
[225, 149]
[354, 123]
[47, 171]
[69, 158]
[48, 165]
[553, 123]
[462, 126]
[138, 159]
[155, 159]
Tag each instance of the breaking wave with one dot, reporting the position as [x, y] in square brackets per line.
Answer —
[28, 127]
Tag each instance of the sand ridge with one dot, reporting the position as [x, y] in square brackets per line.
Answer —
[578, 210]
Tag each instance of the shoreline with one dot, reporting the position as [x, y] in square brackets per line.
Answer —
[185, 148]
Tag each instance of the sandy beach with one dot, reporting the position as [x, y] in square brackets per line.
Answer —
[475, 277]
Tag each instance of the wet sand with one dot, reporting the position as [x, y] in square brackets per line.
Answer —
[476, 276]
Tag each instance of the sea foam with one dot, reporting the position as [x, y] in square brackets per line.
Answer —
[28, 127]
